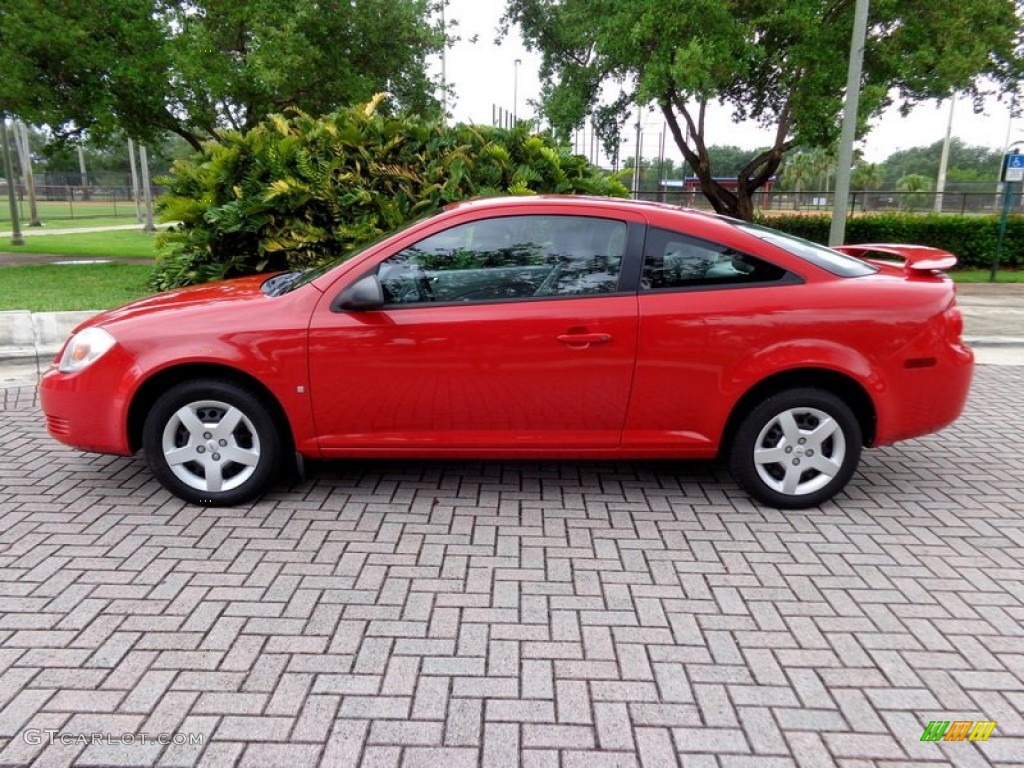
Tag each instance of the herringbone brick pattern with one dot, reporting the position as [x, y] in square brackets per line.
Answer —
[517, 613]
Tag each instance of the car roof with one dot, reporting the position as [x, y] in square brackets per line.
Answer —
[599, 202]
[701, 223]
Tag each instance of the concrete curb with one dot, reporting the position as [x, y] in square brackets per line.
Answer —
[25, 334]
[994, 341]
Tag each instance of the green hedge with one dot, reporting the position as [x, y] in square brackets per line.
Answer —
[972, 238]
[296, 190]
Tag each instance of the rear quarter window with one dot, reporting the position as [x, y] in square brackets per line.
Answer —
[673, 260]
[839, 264]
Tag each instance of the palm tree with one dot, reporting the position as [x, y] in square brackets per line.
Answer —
[799, 170]
[915, 184]
[867, 176]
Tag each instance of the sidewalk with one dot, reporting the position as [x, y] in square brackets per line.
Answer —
[993, 319]
[33, 231]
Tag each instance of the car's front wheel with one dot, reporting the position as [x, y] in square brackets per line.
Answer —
[796, 449]
[212, 442]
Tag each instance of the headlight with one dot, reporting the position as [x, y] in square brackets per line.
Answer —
[85, 348]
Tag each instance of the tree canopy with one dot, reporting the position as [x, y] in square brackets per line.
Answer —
[782, 64]
[966, 162]
[197, 67]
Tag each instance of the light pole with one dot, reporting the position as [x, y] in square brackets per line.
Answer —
[147, 192]
[16, 238]
[515, 92]
[444, 66]
[940, 185]
[25, 154]
[837, 232]
[135, 180]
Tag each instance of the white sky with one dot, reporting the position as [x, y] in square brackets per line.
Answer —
[484, 75]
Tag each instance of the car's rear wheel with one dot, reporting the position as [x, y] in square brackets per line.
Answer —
[796, 449]
[212, 442]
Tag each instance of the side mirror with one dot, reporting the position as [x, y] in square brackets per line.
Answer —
[362, 295]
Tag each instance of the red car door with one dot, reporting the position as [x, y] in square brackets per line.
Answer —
[704, 309]
[506, 335]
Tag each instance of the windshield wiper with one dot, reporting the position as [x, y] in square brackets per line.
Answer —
[280, 284]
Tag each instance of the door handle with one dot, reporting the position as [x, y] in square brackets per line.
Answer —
[584, 339]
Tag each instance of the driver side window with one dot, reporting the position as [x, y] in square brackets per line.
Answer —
[508, 258]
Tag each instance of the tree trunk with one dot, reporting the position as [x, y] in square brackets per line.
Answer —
[744, 204]
[757, 173]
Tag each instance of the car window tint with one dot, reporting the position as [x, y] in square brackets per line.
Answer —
[837, 263]
[512, 257]
[673, 260]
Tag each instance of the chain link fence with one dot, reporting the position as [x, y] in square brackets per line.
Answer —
[63, 197]
[962, 202]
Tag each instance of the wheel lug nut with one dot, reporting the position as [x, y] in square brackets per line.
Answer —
[200, 449]
[207, 435]
[802, 440]
[795, 461]
[789, 449]
[216, 457]
[222, 443]
[810, 452]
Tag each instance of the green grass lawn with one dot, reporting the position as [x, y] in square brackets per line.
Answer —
[124, 243]
[982, 275]
[59, 287]
[78, 213]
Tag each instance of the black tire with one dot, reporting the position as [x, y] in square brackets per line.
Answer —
[812, 466]
[185, 423]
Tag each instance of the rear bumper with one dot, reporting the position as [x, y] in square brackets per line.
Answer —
[928, 393]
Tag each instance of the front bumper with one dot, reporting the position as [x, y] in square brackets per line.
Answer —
[88, 409]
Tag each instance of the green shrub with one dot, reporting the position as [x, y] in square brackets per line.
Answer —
[296, 190]
[972, 238]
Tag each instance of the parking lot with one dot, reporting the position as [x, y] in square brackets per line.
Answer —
[515, 613]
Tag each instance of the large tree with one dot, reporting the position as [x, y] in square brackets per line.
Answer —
[195, 67]
[782, 64]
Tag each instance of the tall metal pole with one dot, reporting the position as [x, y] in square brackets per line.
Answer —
[25, 155]
[1007, 199]
[147, 194]
[837, 232]
[1004, 176]
[444, 66]
[661, 162]
[135, 181]
[515, 93]
[636, 157]
[16, 238]
[81, 167]
[940, 184]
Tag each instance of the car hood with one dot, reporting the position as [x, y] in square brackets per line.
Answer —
[206, 297]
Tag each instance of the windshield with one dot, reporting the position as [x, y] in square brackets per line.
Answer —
[289, 281]
[833, 261]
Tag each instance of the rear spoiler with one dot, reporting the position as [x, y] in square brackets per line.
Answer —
[917, 258]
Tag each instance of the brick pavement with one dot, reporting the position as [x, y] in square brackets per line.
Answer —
[517, 613]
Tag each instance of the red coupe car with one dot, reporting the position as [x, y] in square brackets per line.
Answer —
[531, 327]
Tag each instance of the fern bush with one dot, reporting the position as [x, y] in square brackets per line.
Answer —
[297, 190]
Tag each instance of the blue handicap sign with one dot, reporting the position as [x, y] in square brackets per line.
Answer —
[1013, 168]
